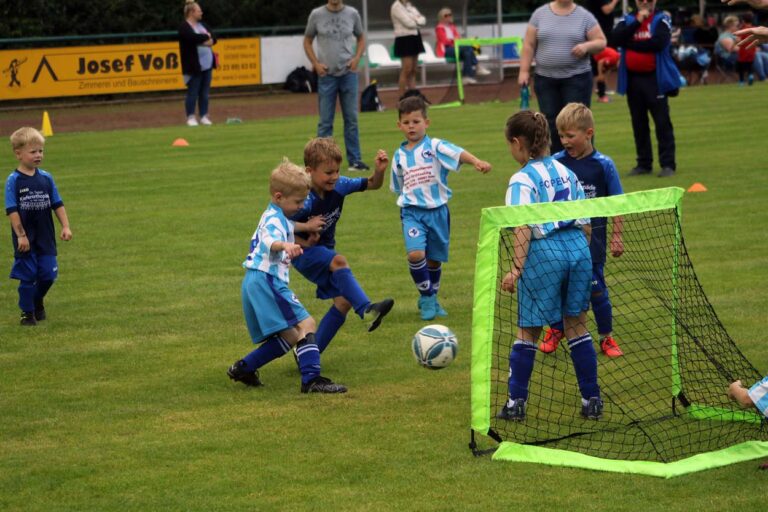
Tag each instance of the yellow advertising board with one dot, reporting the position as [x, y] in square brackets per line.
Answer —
[112, 69]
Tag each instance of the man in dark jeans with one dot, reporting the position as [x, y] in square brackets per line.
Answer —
[646, 78]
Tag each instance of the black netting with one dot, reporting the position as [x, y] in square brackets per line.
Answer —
[641, 419]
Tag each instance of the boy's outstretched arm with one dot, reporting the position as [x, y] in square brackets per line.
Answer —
[480, 165]
[738, 392]
[18, 228]
[380, 166]
[61, 214]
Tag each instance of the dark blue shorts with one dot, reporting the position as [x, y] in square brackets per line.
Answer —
[315, 265]
[35, 267]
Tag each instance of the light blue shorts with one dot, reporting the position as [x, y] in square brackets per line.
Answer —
[556, 280]
[269, 305]
[427, 230]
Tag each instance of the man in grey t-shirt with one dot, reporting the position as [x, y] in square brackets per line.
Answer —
[340, 42]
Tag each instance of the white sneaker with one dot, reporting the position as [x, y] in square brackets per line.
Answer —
[482, 70]
[191, 121]
[468, 80]
[206, 121]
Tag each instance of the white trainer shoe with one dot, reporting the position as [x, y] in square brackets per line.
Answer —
[191, 121]
[206, 121]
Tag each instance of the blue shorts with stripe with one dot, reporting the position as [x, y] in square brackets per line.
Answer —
[427, 230]
[556, 279]
[269, 305]
[35, 267]
[315, 265]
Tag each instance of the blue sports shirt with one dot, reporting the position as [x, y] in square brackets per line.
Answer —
[599, 178]
[545, 180]
[273, 227]
[329, 207]
[759, 395]
[34, 198]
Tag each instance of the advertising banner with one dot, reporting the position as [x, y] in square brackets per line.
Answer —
[113, 69]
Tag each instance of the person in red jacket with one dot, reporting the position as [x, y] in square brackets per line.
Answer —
[446, 33]
[745, 55]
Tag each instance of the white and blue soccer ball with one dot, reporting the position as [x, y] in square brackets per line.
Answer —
[435, 346]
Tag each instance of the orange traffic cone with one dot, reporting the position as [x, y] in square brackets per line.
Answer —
[180, 142]
[697, 187]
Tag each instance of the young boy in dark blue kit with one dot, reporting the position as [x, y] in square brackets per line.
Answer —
[316, 232]
[30, 196]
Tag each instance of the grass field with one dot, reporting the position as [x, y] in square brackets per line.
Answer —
[120, 401]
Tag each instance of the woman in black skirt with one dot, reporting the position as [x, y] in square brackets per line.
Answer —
[408, 45]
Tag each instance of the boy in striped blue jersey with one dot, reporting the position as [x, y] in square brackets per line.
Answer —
[276, 319]
[420, 169]
[756, 396]
[551, 270]
[599, 178]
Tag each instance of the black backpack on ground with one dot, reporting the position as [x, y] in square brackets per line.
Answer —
[301, 80]
[369, 99]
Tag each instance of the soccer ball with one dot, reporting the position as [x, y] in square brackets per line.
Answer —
[435, 346]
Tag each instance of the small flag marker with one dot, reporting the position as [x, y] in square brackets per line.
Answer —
[180, 142]
[47, 128]
[697, 187]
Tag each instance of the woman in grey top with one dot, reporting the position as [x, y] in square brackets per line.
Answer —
[560, 37]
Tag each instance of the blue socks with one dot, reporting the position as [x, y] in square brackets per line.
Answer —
[309, 358]
[350, 289]
[521, 360]
[27, 296]
[329, 326]
[585, 365]
[434, 277]
[601, 307]
[420, 275]
[268, 351]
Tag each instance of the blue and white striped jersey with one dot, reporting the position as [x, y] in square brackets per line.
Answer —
[759, 395]
[545, 180]
[420, 175]
[273, 227]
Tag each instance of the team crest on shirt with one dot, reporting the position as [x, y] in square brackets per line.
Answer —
[427, 154]
[413, 232]
[295, 299]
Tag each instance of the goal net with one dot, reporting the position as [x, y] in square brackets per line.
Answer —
[666, 411]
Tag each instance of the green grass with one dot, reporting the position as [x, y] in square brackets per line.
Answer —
[119, 401]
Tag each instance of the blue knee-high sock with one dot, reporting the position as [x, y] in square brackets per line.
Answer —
[268, 351]
[601, 306]
[309, 358]
[585, 364]
[329, 326]
[420, 275]
[434, 277]
[350, 289]
[521, 360]
[27, 296]
[41, 289]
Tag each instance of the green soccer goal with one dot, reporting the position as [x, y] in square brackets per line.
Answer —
[666, 410]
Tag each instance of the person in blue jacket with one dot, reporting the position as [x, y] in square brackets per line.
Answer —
[648, 76]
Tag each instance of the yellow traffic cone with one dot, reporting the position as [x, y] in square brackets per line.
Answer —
[47, 128]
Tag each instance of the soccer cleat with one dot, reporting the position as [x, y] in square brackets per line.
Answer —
[39, 312]
[604, 99]
[28, 318]
[610, 348]
[427, 307]
[666, 172]
[191, 121]
[358, 166]
[514, 413]
[322, 384]
[239, 373]
[376, 313]
[593, 410]
[205, 120]
[439, 310]
[637, 171]
[552, 339]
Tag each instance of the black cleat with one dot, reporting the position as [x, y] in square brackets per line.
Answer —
[39, 313]
[322, 384]
[514, 413]
[666, 172]
[239, 373]
[593, 410]
[637, 171]
[376, 313]
[28, 318]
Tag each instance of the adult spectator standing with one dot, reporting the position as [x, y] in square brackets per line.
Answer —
[340, 42]
[197, 62]
[407, 20]
[647, 75]
[602, 10]
[560, 36]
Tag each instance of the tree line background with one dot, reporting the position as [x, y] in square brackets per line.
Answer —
[46, 18]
